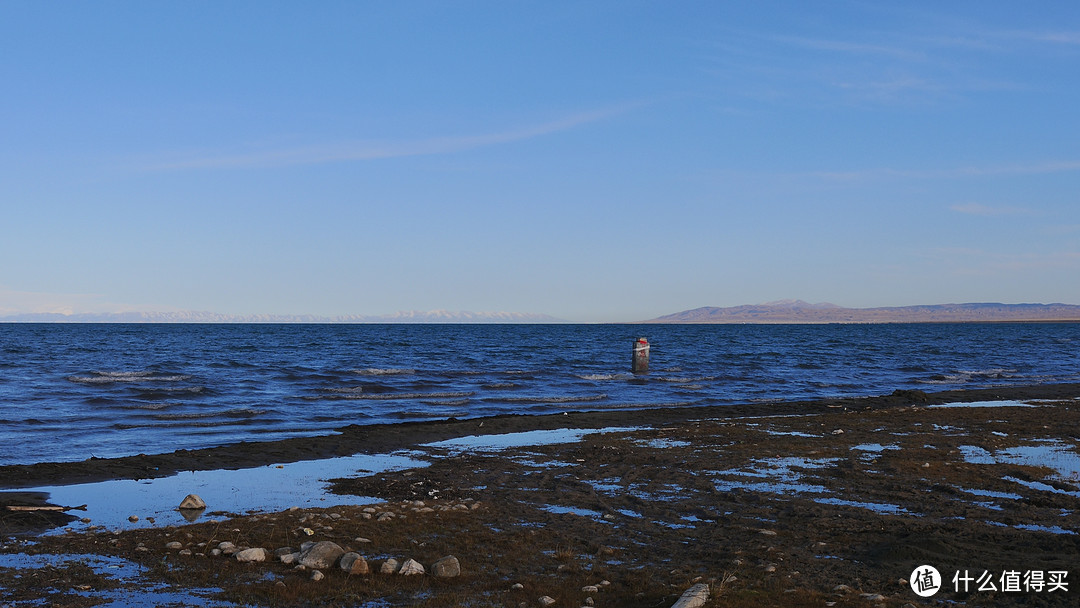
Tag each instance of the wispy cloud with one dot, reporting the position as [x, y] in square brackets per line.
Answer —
[955, 172]
[987, 211]
[967, 261]
[373, 150]
[858, 48]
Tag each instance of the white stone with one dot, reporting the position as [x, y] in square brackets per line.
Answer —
[255, 554]
[694, 597]
[411, 567]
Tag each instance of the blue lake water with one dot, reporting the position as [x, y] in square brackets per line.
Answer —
[72, 391]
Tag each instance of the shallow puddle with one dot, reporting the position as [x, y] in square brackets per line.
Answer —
[110, 504]
[1051, 454]
[133, 592]
[984, 404]
[499, 442]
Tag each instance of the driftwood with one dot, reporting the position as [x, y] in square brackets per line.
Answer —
[43, 508]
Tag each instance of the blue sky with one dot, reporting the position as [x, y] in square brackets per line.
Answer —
[596, 161]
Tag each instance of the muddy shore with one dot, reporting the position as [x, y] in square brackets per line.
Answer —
[383, 438]
[829, 503]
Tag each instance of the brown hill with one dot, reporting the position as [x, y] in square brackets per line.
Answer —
[797, 311]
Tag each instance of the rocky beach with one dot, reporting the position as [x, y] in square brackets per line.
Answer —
[827, 503]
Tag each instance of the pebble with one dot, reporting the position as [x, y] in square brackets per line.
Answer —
[317, 576]
[517, 587]
[546, 601]
[872, 597]
[133, 518]
[842, 589]
[590, 589]
[174, 545]
[361, 539]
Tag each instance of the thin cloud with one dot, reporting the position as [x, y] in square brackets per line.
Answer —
[983, 210]
[858, 48]
[956, 172]
[373, 150]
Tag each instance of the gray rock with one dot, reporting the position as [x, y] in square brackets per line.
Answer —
[317, 576]
[546, 601]
[255, 554]
[411, 567]
[322, 554]
[192, 502]
[289, 558]
[354, 563]
[447, 567]
[227, 548]
[590, 589]
[174, 545]
[842, 589]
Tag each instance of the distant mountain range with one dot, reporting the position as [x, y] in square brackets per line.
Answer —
[797, 311]
[411, 316]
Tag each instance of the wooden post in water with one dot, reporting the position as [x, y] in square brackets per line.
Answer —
[640, 364]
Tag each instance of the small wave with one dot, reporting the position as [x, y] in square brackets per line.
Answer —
[114, 377]
[498, 385]
[242, 412]
[398, 396]
[604, 376]
[146, 406]
[345, 390]
[446, 402]
[677, 380]
[389, 371]
[577, 399]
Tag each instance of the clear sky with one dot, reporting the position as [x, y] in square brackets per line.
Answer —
[595, 161]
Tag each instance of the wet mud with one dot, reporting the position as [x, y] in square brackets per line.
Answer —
[825, 504]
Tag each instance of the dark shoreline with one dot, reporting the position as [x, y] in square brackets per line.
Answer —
[383, 438]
